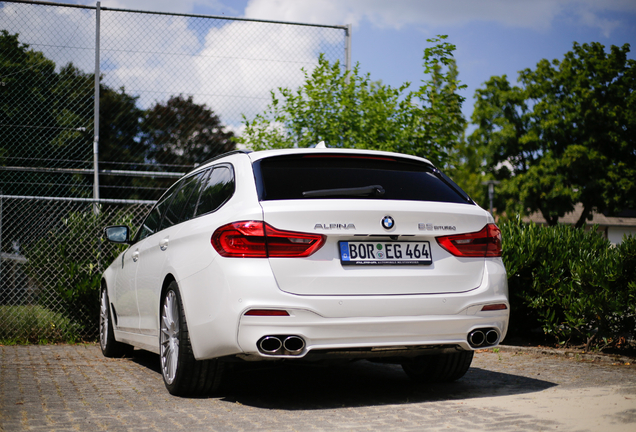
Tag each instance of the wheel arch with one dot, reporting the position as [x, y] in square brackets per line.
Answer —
[167, 280]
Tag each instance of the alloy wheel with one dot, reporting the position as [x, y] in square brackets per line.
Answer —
[170, 337]
[103, 320]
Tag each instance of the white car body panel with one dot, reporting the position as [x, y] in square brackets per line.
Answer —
[323, 274]
[122, 290]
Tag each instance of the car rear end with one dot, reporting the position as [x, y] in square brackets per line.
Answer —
[370, 255]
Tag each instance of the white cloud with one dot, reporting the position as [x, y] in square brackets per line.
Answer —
[148, 54]
[230, 66]
[399, 13]
[243, 61]
[535, 14]
[589, 18]
[180, 6]
[60, 33]
[172, 6]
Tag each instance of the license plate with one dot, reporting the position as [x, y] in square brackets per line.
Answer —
[385, 253]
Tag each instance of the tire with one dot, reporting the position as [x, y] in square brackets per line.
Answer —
[182, 374]
[438, 368]
[110, 347]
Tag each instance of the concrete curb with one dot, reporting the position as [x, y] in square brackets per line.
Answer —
[574, 354]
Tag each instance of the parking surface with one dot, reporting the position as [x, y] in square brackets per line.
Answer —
[72, 387]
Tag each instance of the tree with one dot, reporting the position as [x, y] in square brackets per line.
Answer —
[345, 109]
[566, 135]
[47, 120]
[119, 132]
[181, 132]
[119, 144]
[176, 136]
[27, 122]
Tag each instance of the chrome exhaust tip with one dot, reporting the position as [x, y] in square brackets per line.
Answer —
[294, 344]
[476, 338]
[270, 344]
[492, 337]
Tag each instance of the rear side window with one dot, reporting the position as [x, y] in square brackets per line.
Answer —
[153, 221]
[182, 206]
[216, 190]
[332, 176]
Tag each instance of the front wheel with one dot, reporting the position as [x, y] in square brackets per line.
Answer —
[183, 375]
[438, 368]
[110, 347]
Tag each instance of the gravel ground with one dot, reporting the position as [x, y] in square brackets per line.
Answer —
[72, 387]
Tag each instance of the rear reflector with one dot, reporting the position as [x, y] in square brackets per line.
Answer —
[484, 243]
[256, 239]
[495, 307]
[266, 312]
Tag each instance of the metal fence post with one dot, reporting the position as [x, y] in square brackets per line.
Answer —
[96, 115]
[348, 47]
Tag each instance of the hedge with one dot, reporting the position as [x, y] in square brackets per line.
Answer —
[570, 284]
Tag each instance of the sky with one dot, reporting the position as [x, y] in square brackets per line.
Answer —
[493, 37]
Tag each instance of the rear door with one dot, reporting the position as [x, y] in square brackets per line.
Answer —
[381, 216]
[156, 249]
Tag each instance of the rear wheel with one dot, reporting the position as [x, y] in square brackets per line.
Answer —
[438, 368]
[110, 347]
[182, 373]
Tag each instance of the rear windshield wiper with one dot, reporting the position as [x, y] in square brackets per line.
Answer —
[375, 190]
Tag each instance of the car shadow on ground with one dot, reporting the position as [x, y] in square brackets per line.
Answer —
[289, 386]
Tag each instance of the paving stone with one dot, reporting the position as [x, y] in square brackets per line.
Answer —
[73, 387]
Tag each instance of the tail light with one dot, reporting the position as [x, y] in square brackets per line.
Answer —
[256, 239]
[484, 243]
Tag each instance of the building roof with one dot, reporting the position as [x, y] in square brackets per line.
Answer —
[597, 218]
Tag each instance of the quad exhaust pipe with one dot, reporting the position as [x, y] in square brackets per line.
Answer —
[281, 345]
[483, 337]
[476, 338]
[270, 344]
[293, 344]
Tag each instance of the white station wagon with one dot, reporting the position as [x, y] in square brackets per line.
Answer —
[307, 255]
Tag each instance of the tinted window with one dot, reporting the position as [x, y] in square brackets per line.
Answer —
[217, 189]
[190, 206]
[182, 208]
[153, 221]
[288, 177]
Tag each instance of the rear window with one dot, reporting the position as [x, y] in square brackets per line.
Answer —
[353, 177]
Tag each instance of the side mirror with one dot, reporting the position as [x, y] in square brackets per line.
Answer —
[117, 234]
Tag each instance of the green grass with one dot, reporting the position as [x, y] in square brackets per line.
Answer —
[35, 324]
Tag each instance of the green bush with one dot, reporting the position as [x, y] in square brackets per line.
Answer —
[35, 324]
[570, 283]
[70, 258]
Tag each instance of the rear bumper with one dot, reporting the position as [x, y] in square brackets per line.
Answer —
[370, 335]
[219, 327]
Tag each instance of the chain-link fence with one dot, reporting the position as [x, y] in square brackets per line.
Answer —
[173, 90]
[50, 274]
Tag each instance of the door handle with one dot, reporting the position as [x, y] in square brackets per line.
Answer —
[163, 244]
[135, 255]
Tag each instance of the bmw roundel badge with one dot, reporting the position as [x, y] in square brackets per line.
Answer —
[388, 222]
